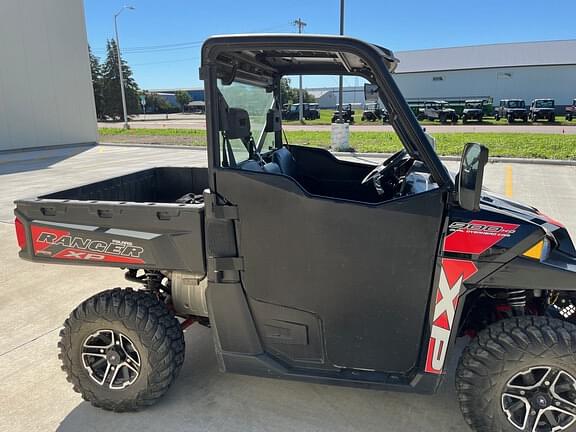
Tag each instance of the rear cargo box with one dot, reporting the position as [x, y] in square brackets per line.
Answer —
[135, 221]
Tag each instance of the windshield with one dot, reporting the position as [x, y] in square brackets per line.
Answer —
[516, 104]
[545, 104]
[256, 101]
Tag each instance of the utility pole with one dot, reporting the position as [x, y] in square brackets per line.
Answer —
[340, 79]
[120, 71]
[300, 24]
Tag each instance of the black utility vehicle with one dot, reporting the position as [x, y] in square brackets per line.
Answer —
[542, 109]
[312, 268]
[347, 114]
[571, 111]
[473, 111]
[291, 112]
[438, 110]
[311, 111]
[511, 110]
[374, 112]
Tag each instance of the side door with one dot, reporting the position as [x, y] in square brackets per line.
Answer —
[331, 283]
[334, 283]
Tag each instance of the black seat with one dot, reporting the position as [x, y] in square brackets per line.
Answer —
[284, 159]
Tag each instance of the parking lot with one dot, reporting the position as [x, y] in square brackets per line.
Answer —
[35, 299]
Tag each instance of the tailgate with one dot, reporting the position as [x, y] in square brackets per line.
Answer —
[117, 234]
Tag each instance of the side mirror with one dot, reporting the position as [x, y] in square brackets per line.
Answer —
[471, 175]
[371, 92]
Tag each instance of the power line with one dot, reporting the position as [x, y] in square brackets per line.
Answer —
[180, 45]
[166, 61]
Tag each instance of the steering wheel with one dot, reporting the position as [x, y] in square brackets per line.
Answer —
[381, 170]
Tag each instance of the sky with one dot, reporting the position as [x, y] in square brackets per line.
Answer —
[161, 39]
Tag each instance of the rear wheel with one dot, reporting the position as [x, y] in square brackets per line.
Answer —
[121, 349]
[519, 375]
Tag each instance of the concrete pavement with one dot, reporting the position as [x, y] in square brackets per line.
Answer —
[35, 299]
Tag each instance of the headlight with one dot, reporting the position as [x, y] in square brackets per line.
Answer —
[540, 250]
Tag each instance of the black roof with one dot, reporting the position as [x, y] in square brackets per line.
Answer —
[290, 54]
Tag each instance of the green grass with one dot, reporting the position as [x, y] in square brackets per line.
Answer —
[545, 146]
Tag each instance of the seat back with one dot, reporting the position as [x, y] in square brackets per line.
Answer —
[237, 124]
[285, 161]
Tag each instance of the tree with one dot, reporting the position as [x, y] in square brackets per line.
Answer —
[290, 95]
[112, 106]
[97, 84]
[156, 103]
[183, 98]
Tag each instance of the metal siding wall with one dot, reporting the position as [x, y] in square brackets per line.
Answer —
[45, 84]
[558, 82]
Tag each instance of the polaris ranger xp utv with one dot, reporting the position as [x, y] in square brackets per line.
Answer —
[312, 268]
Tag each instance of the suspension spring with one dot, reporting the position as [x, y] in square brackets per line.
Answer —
[517, 300]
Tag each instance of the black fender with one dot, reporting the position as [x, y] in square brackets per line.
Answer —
[557, 272]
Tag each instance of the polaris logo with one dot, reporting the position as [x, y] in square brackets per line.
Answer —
[115, 247]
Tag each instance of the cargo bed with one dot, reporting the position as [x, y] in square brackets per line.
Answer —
[150, 219]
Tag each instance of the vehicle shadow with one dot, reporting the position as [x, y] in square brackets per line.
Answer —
[203, 399]
[37, 159]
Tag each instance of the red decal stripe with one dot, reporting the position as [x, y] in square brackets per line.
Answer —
[477, 237]
[37, 231]
[81, 255]
[453, 273]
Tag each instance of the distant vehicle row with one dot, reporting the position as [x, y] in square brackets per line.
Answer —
[474, 110]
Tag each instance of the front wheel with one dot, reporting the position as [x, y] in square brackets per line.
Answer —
[121, 349]
[519, 375]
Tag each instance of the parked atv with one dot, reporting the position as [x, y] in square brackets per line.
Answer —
[438, 110]
[571, 111]
[308, 267]
[311, 111]
[290, 112]
[373, 112]
[473, 111]
[542, 109]
[511, 110]
[347, 115]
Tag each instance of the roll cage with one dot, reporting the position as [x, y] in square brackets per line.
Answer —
[264, 59]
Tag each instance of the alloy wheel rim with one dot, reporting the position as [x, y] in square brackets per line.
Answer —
[540, 399]
[111, 359]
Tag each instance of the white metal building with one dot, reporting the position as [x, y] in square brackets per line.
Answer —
[46, 95]
[518, 70]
